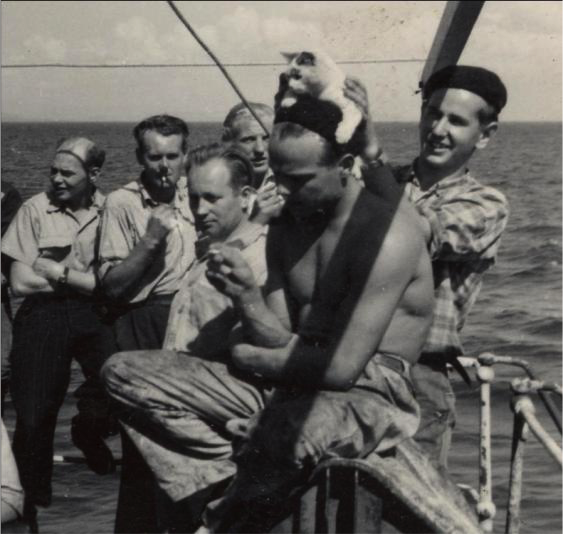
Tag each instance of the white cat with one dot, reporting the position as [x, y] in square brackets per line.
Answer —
[316, 74]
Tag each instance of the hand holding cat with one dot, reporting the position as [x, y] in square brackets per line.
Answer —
[355, 90]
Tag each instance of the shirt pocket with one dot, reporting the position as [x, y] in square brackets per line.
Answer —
[55, 247]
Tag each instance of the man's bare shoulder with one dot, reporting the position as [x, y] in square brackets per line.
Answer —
[390, 228]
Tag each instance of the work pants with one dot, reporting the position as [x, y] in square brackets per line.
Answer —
[48, 333]
[138, 327]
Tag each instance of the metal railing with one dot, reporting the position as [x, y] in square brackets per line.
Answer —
[525, 421]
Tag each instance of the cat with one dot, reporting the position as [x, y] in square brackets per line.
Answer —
[316, 74]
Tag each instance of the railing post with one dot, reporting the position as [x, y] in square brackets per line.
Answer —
[519, 438]
[485, 507]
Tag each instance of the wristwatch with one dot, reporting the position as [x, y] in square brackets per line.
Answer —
[63, 279]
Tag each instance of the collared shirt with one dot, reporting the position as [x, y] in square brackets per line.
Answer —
[466, 220]
[201, 317]
[46, 229]
[124, 222]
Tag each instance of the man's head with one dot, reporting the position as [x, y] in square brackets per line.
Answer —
[311, 168]
[460, 108]
[219, 184]
[242, 130]
[75, 169]
[162, 144]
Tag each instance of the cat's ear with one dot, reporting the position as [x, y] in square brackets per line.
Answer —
[289, 56]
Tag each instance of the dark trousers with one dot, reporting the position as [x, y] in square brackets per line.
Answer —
[48, 333]
[139, 328]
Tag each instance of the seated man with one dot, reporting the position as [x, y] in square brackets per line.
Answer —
[330, 334]
[243, 131]
[201, 319]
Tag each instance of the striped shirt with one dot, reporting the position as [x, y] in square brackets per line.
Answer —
[466, 220]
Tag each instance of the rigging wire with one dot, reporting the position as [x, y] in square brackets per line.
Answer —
[191, 65]
[216, 60]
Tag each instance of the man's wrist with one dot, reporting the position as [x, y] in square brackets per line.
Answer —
[249, 300]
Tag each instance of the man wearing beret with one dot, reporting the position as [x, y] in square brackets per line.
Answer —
[462, 220]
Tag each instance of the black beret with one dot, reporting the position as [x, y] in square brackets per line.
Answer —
[319, 116]
[476, 80]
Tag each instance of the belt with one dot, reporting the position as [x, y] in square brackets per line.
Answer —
[394, 363]
[438, 360]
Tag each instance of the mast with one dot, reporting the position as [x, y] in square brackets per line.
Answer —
[452, 34]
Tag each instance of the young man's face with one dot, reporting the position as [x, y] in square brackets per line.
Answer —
[163, 159]
[450, 130]
[251, 138]
[218, 209]
[69, 180]
[303, 180]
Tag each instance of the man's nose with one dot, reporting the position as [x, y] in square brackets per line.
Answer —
[440, 127]
[259, 146]
[163, 164]
[57, 178]
[202, 208]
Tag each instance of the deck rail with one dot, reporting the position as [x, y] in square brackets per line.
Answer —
[525, 420]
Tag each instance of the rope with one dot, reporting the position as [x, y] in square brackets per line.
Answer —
[180, 65]
[216, 60]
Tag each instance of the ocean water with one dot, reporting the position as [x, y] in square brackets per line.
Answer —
[518, 312]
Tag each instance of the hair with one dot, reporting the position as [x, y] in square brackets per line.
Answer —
[240, 167]
[95, 156]
[332, 150]
[164, 125]
[239, 111]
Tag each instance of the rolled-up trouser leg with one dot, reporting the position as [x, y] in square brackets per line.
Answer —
[298, 429]
[177, 407]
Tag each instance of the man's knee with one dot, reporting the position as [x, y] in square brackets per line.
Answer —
[121, 368]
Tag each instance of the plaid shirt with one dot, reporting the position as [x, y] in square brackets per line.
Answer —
[466, 221]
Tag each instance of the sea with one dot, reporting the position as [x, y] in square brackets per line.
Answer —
[518, 313]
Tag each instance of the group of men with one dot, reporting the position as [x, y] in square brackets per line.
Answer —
[255, 296]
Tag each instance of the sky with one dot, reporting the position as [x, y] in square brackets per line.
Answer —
[521, 41]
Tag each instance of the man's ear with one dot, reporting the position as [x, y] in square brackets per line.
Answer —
[346, 163]
[247, 195]
[487, 131]
[93, 174]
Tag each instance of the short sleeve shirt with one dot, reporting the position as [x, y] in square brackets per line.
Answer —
[42, 228]
[201, 317]
[124, 222]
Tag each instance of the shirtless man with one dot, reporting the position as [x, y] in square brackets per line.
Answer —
[348, 276]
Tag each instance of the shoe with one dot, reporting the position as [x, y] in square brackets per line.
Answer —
[85, 436]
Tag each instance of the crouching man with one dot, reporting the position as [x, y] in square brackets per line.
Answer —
[160, 389]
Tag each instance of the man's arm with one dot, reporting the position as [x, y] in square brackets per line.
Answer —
[265, 322]
[363, 316]
[122, 268]
[24, 281]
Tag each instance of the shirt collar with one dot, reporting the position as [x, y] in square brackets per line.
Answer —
[444, 183]
[97, 203]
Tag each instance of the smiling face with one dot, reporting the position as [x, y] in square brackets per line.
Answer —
[251, 138]
[450, 130]
[70, 183]
[218, 208]
[163, 159]
[305, 181]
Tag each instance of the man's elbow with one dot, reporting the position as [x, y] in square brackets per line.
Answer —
[21, 289]
[340, 379]
[111, 289]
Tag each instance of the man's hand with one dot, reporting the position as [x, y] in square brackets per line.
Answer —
[161, 222]
[228, 271]
[48, 269]
[355, 90]
[268, 204]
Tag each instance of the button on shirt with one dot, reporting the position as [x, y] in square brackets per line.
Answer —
[466, 220]
[124, 222]
[201, 317]
[42, 228]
